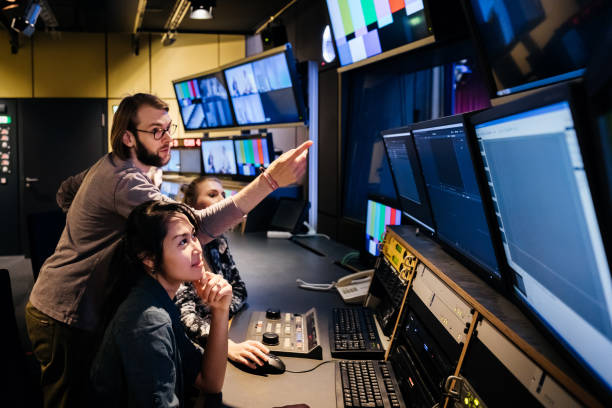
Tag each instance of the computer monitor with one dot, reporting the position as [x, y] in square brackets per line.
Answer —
[407, 176]
[368, 28]
[454, 192]
[174, 165]
[528, 44]
[218, 156]
[204, 102]
[171, 189]
[266, 90]
[253, 152]
[191, 160]
[536, 160]
[380, 213]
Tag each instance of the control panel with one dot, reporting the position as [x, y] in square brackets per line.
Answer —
[287, 334]
[6, 154]
[450, 310]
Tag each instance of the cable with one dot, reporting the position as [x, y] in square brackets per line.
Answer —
[312, 235]
[315, 286]
[310, 369]
[347, 257]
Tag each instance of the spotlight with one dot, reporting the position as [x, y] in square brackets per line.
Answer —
[25, 24]
[202, 9]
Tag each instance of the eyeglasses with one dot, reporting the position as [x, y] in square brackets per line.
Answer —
[159, 133]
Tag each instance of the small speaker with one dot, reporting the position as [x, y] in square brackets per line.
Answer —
[274, 35]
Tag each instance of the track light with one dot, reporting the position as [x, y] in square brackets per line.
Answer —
[25, 24]
[202, 9]
[8, 4]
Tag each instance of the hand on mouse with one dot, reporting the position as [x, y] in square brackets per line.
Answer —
[249, 353]
[214, 291]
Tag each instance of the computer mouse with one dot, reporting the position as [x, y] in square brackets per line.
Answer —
[274, 365]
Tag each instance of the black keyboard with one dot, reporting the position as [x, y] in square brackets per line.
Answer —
[353, 335]
[367, 384]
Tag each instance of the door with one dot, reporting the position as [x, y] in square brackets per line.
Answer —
[58, 138]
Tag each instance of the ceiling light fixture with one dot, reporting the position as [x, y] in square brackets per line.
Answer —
[8, 4]
[25, 25]
[202, 9]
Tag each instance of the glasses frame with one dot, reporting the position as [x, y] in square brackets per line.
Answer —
[170, 131]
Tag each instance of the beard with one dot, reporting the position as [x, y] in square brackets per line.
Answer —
[147, 157]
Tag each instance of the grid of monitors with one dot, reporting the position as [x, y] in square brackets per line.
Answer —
[552, 242]
[262, 91]
[251, 154]
[204, 102]
[363, 29]
[174, 165]
[378, 217]
[535, 43]
[407, 176]
[218, 157]
[453, 190]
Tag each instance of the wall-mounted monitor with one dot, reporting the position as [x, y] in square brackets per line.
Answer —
[191, 161]
[407, 176]
[266, 90]
[204, 102]
[253, 152]
[171, 189]
[218, 156]
[174, 165]
[538, 160]
[527, 44]
[454, 192]
[381, 212]
[364, 29]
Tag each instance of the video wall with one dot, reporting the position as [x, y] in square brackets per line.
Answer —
[262, 91]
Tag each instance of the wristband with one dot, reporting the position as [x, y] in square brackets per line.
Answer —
[271, 182]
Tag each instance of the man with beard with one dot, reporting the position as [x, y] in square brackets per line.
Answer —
[64, 313]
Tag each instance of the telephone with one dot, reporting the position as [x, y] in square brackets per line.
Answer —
[354, 288]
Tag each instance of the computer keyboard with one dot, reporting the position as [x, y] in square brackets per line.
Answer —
[353, 335]
[367, 384]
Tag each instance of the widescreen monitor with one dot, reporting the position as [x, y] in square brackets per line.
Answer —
[527, 44]
[266, 91]
[204, 102]
[542, 195]
[378, 216]
[174, 165]
[253, 152]
[407, 176]
[454, 193]
[191, 161]
[363, 29]
[218, 156]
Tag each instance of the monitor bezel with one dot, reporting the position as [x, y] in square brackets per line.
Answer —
[407, 207]
[487, 69]
[296, 86]
[413, 45]
[571, 92]
[501, 284]
[216, 73]
[269, 142]
[218, 175]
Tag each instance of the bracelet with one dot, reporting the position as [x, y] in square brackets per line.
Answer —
[271, 182]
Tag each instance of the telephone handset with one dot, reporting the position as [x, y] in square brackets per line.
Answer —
[354, 288]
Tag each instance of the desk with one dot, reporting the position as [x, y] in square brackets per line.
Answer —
[269, 267]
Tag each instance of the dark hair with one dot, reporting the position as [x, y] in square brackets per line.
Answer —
[146, 229]
[126, 119]
[191, 191]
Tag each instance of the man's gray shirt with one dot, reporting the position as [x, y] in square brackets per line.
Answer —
[73, 282]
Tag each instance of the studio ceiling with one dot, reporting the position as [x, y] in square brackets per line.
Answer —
[230, 16]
